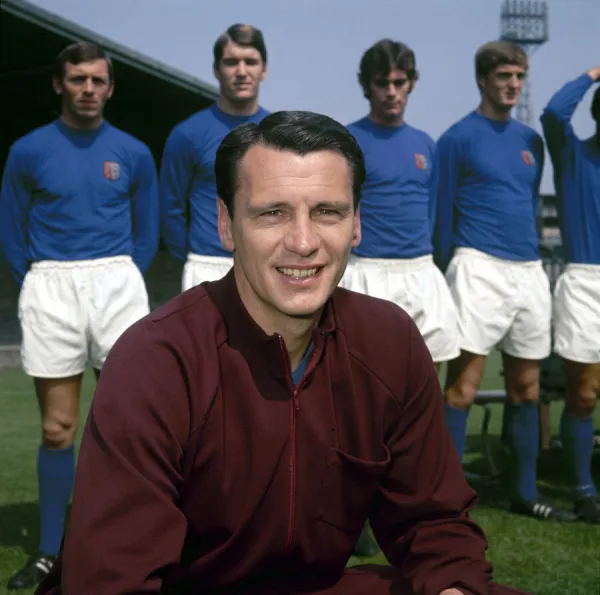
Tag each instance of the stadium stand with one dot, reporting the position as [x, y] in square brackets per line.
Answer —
[150, 98]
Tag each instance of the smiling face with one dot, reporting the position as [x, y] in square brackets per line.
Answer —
[84, 89]
[502, 87]
[293, 228]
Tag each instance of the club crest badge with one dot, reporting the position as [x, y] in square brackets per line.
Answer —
[421, 161]
[528, 157]
[112, 170]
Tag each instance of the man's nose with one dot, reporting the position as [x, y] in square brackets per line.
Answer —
[391, 90]
[515, 81]
[302, 237]
[88, 86]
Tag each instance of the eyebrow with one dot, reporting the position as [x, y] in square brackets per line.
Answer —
[333, 205]
[76, 75]
[270, 206]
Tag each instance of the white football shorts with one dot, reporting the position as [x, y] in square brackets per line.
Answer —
[72, 313]
[199, 269]
[419, 288]
[577, 314]
[501, 303]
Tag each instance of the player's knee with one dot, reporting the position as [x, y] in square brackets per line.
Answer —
[525, 391]
[461, 395]
[584, 403]
[58, 431]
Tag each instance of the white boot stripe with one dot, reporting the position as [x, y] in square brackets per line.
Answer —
[44, 565]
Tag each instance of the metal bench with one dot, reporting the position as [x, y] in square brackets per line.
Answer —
[486, 398]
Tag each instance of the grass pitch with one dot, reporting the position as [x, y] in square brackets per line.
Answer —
[543, 558]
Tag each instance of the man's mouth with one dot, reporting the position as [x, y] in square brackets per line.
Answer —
[298, 273]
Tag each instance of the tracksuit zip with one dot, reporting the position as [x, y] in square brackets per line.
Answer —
[294, 408]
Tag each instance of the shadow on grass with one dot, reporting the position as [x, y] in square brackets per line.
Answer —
[20, 526]
[553, 474]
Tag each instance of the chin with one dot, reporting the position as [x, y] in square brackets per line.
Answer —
[302, 311]
[245, 95]
[393, 114]
[306, 307]
[87, 116]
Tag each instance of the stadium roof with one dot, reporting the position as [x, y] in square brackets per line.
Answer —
[71, 31]
[150, 97]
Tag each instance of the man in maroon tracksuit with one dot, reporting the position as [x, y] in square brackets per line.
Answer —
[241, 435]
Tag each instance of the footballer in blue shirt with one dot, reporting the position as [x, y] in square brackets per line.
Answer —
[577, 293]
[79, 225]
[485, 198]
[187, 177]
[394, 259]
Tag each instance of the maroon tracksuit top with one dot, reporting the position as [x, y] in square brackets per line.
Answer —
[203, 470]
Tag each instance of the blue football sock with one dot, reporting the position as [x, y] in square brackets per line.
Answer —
[456, 422]
[577, 434]
[56, 470]
[523, 436]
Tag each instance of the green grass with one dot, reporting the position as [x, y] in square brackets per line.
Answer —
[542, 558]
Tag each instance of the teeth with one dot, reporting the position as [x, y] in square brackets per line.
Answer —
[298, 272]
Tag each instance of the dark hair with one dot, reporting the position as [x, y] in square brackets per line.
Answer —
[244, 35]
[79, 52]
[297, 131]
[383, 57]
[498, 53]
[596, 105]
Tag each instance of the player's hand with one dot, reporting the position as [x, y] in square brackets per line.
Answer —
[595, 73]
[451, 592]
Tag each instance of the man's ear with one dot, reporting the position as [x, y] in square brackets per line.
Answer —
[264, 73]
[216, 71]
[357, 233]
[224, 224]
[57, 86]
[413, 81]
[481, 83]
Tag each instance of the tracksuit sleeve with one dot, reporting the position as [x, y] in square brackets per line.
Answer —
[444, 188]
[145, 212]
[175, 183]
[556, 118]
[126, 530]
[15, 202]
[420, 517]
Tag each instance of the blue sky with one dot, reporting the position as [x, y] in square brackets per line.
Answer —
[315, 47]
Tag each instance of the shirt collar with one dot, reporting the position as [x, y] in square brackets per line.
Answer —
[243, 334]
